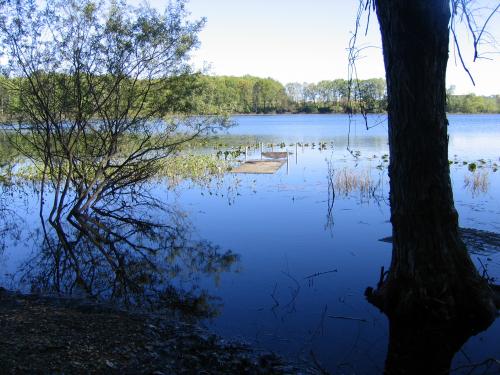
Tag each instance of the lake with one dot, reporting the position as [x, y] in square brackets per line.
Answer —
[305, 257]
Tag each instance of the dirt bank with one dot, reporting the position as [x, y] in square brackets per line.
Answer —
[41, 334]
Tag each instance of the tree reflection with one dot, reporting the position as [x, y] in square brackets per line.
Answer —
[126, 247]
[10, 221]
[429, 347]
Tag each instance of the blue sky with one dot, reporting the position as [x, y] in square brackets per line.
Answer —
[306, 41]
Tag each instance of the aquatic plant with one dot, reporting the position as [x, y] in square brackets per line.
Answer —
[477, 182]
[197, 168]
[347, 181]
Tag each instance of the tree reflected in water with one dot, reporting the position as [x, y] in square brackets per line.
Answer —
[126, 247]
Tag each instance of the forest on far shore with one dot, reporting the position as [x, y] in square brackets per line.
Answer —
[249, 95]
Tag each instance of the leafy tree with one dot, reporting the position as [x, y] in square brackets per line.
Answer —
[245, 88]
[341, 89]
[371, 93]
[4, 97]
[310, 92]
[325, 91]
[94, 82]
[295, 91]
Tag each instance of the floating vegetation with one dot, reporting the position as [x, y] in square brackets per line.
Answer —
[198, 168]
[477, 182]
[473, 166]
[229, 154]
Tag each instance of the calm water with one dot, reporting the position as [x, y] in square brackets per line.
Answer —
[305, 261]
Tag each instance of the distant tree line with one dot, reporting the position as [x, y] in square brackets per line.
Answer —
[245, 94]
[471, 103]
[338, 96]
[248, 94]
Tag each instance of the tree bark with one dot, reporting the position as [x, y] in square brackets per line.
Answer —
[433, 295]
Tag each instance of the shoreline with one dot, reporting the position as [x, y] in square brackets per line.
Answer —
[346, 114]
[53, 334]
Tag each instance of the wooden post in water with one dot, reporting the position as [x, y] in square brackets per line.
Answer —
[260, 150]
[296, 153]
[287, 157]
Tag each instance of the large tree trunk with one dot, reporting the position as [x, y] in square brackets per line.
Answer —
[433, 295]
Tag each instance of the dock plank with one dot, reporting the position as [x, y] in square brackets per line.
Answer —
[275, 155]
[259, 166]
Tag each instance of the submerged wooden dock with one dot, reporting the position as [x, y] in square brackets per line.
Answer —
[259, 166]
[274, 155]
[271, 164]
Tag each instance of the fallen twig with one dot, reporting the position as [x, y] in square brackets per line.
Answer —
[320, 273]
[347, 318]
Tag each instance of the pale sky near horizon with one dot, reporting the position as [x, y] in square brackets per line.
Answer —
[306, 41]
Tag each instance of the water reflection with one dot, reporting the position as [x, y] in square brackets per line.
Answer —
[128, 248]
[10, 222]
[414, 336]
[299, 282]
